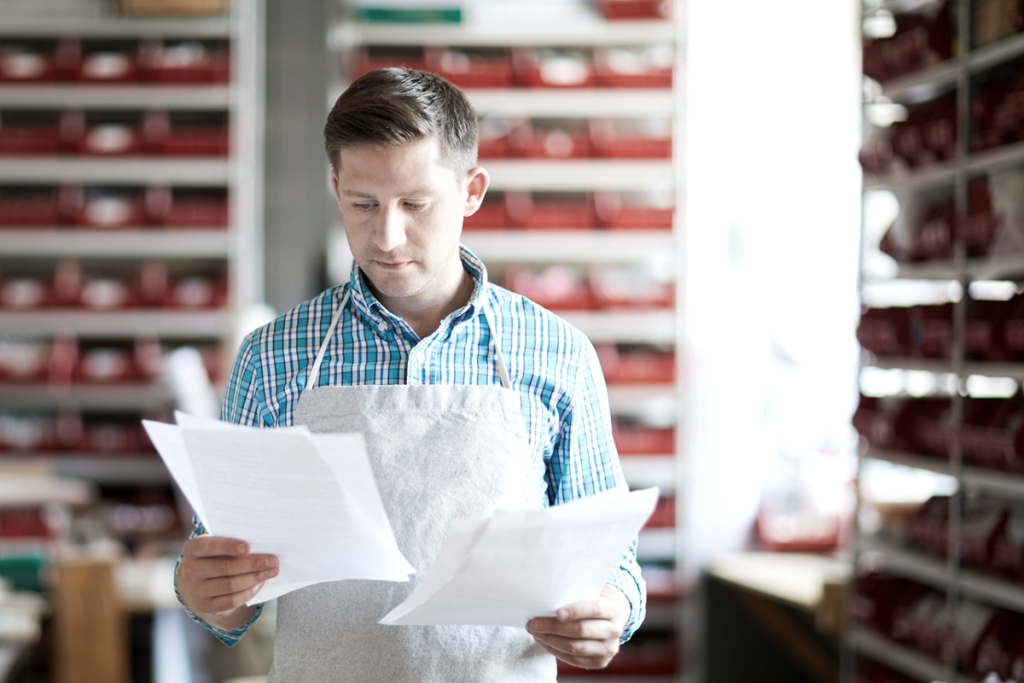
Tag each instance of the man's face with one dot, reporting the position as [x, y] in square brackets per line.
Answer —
[403, 214]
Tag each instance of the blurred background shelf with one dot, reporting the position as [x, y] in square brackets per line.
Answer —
[126, 170]
[579, 176]
[122, 324]
[112, 97]
[127, 468]
[114, 397]
[576, 103]
[899, 657]
[640, 327]
[121, 243]
[567, 246]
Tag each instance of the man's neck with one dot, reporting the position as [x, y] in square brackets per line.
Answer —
[425, 319]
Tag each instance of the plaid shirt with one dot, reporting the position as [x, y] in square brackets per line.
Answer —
[552, 365]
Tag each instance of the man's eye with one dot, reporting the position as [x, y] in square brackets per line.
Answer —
[414, 206]
[363, 207]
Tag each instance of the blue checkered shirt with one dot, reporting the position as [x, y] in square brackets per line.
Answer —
[552, 364]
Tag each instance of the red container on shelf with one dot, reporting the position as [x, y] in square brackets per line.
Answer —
[111, 140]
[555, 143]
[103, 67]
[551, 69]
[112, 436]
[995, 648]
[471, 68]
[636, 366]
[980, 437]
[664, 515]
[491, 215]
[25, 293]
[550, 210]
[189, 62]
[29, 139]
[108, 293]
[22, 65]
[929, 527]
[496, 147]
[196, 292]
[618, 141]
[1008, 546]
[931, 331]
[29, 209]
[983, 521]
[979, 227]
[106, 209]
[613, 288]
[923, 425]
[615, 10]
[186, 208]
[642, 440]
[885, 331]
[199, 141]
[620, 68]
[105, 365]
[873, 421]
[555, 287]
[24, 361]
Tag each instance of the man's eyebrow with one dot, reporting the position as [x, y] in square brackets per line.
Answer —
[419, 191]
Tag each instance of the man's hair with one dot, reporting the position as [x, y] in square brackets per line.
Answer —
[393, 106]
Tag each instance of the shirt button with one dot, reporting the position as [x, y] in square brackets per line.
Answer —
[382, 327]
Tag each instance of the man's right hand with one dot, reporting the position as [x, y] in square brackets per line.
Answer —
[218, 575]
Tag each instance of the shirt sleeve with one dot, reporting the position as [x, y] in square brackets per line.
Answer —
[242, 405]
[225, 636]
[585, 461]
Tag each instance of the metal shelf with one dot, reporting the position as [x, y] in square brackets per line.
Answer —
[567, 246]
[48, 25]
[645, 471]
[919, 462]
[993, 481]
[127, 468]
[914, 85]
[996, 53]
[588, 103]
[168, 324]
[922, 364]
[127, 170]
[123, 97]
[127, 397]
[941, 174]
[346, 35]
[126, 243]
[989, 268]
[910, 662]
[1014, 370]
[580, 175]
[907, 563]
[639, 327]
[997, 158]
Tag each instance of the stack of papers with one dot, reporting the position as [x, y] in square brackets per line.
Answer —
[310, 499]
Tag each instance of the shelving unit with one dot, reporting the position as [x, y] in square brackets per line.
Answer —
[232, 250]
[581, 247]
[958, 75]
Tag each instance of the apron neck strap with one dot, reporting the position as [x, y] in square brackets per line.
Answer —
[314, 374]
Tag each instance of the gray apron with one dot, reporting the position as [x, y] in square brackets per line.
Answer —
[439, 453]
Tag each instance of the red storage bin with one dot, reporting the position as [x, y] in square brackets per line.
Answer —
[558, 140]
[29, 139]
[619, 211]
[24, 65]
[664, 515]
[643, 68]
[24, 361]
[25, 293]
[187, 62]
[496, 147]
[622, 288]
[929, 527]
[996, 647]
[30, 208]
[634, 9]
[622, 140]
[636, 365]
[101, 208]
[555, 287]
[28, 433]
[471, 68]
[552, 69]
[105, 365]
[186, 208]
[200, 141]
[491, 215]
[107, 67]
[983, 521]
[979, 227]
[1008, 546]
[551, 210]
[195, 292]
[642, 440]
[111, 140]
[108, 293]
[885, 331]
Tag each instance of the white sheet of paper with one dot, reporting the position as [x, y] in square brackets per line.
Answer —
[516, 565]
[309, 499]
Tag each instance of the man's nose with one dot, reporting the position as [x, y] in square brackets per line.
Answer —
[389, 232]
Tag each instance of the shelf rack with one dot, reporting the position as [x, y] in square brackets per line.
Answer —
[124, 324]
[954, 75]
[130, 243]
[566, 246]
[114, 397]
[122, 170]
[108, 97]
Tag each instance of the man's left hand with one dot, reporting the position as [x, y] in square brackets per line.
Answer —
[586, 633]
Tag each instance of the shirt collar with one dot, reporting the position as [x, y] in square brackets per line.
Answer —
[367, 304]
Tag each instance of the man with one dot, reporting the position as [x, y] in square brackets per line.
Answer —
[468, 397]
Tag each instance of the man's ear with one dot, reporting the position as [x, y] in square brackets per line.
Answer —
[477, 182]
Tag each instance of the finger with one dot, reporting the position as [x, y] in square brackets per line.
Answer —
[577, 647]
[581, 662]
[212, 546]
[224, 603]
[240, 583]
[587, 629]
[586, 609]
[226, 566]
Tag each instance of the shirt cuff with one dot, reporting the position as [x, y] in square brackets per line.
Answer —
[225, 636]
[628, 580]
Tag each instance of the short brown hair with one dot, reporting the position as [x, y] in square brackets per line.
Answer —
[393, 106]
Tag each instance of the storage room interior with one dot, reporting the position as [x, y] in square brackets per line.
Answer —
[793, 234]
